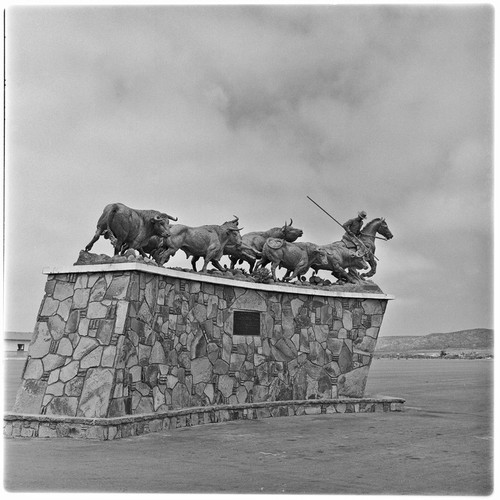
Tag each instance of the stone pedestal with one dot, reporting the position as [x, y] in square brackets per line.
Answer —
[114, 340]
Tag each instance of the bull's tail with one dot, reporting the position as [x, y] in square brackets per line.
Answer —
[103, 224]
[111, 214]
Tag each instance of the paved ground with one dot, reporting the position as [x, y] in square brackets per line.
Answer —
[441, 444]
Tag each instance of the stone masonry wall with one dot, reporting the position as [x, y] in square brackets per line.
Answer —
[109, 344]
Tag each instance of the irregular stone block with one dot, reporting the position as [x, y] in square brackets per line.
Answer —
[74, 387]
[150, 292]
[121, 315]
[45, 431]
[69, 371]
[371, 306]
[34, 369]
[345, 359]
[49, 306]
[96, 392]
[118, 287]
[236, 362]
[64, 309]
[145, 313]
[199, 312]
[284, 350]
[108, 356]
[63, 405]
[296, 305]
[40, 343]
[352, 383]
[92, 359]
[343, 334]
[105, 331]
[72, 322]
[250, 300]
[158, 354]
[158, 398]
[81, 281]
[347, 320]
[316, 353]
[52, 361]
[225, 385]
[98, 290]
[63, 290]
[180, 396]
[55, 389]
[49, 286]
[321, 332]
[54, 376]
[65, 348]
[220, 367]
[83, 326]
[96, 310]
[367, 344]
[312, 410]
[260, 393]
[84, 346]
[81, 298]
[209, 393]
[263, 374]
[201, 369]
[372, 332]
[357, 315]
[92, 280]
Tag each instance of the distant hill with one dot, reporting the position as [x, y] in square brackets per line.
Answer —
[478, 338]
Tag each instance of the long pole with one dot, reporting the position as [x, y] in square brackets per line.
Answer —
[321, 208]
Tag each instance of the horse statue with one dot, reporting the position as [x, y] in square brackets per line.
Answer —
[367, 238]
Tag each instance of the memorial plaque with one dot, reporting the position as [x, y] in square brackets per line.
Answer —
[246, 323]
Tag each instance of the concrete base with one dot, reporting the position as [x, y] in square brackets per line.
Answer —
[18, 425]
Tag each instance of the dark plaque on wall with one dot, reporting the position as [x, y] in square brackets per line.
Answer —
[246, 323]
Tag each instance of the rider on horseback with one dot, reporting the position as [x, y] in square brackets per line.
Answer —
[353, 231]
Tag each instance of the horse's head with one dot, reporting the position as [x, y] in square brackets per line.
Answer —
[383, 229]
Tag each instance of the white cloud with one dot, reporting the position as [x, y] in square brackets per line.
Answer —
[209, 112]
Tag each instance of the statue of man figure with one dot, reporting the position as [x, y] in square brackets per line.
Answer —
[353, 231]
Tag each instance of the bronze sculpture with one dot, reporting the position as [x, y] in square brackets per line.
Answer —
[297, 258]
[128, 228]
[252, 244]
[353, 230]
[149, 232]
[204, 241]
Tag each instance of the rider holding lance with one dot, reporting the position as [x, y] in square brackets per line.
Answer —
[353, 230]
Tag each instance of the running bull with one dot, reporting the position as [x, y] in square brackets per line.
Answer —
[295, 257]
[130, 228]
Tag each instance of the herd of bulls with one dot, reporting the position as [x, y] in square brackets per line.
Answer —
[150, 233]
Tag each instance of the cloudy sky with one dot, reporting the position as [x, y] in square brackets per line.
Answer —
[205, 112]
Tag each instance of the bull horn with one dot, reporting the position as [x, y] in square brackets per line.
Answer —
[236, 219]
[172, 218]
[291, 221]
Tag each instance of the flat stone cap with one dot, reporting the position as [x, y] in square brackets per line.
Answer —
[298, 289]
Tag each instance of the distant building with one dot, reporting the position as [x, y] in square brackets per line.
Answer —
[16, 341]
